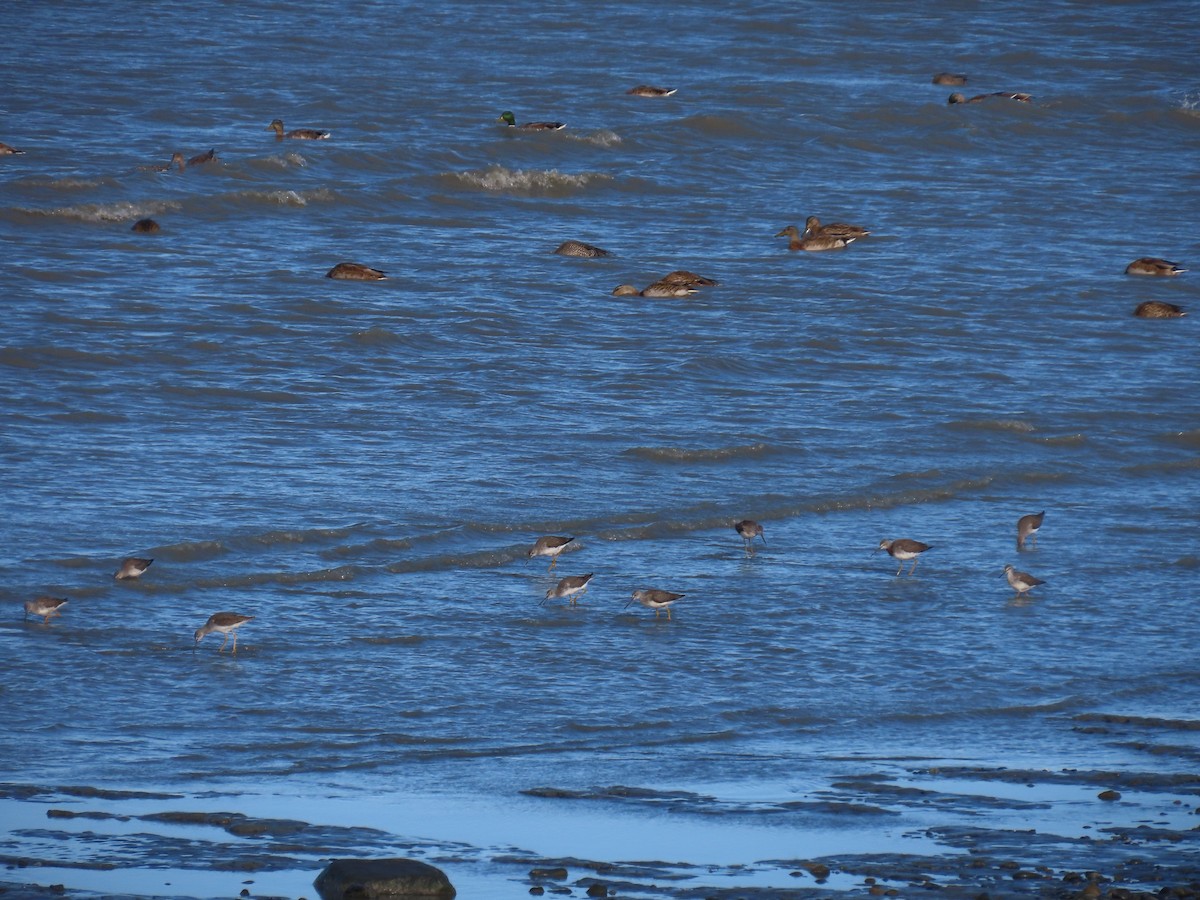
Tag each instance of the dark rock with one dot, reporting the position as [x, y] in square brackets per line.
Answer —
[597, 890]
[1109, 795]
[537, 890]
[557, 874]
[368, 879]
[819, 871]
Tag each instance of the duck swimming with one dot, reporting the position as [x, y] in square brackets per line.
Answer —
[297, 134]
[813, 227]
[1152, 265]
[646, 90]
[511, 121]
[579, 248]
[819, 241]
[658, 289]
[1007, 95]
[348, 271]
[687, 279]
[1159, 309]
[6, 150]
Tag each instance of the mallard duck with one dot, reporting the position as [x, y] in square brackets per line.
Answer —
[687, 279]
[579, 248]
[6, 150]
[949, 79]
[1158, 309]
[348, 271]
[646, 90]
[510, 120]
[199, 159]
[1152, 265]
[1006, 95]
[658, 289]
[145, 226]
[297, 134]
[177, 160]
[815, 242]
[813, 227]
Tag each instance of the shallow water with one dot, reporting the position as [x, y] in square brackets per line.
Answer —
[362, 467]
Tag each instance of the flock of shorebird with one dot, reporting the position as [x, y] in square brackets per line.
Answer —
[134, 567]
[573, 587]
[814, 238]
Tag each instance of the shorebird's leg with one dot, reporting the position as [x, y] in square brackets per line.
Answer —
[901, 569]
[221, 649]
[914, 565]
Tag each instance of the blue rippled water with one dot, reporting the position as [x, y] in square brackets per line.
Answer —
[363, 466]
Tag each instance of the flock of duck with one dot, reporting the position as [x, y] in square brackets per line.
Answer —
[815, 237]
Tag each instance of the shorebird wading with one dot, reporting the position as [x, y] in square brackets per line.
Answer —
[550, 545]
[572, 588]
[225, 622]
[903, 549]
[1027, 528]
[654, 599]
[749, 529]
[44, 607]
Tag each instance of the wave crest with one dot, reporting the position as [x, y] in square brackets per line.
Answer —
[533, 182]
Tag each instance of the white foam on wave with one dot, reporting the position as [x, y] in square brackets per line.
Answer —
[121, 211]
[529, 181]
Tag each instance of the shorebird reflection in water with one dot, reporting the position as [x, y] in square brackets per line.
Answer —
[654, 599]
[225, 622]
[1027, 528]
[1022, 582]
[551, 546]
[44, 607]
[749, 529]
[903, 549]
[572, 588]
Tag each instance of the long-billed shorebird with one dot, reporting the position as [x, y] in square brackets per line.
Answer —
[572, 588]
[132, 567]
[225, 622]
[1022, 582]
[654, 599]
[551, 545]
[44, 607]
[749, 529]
[903, 549]
[1027, 528]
